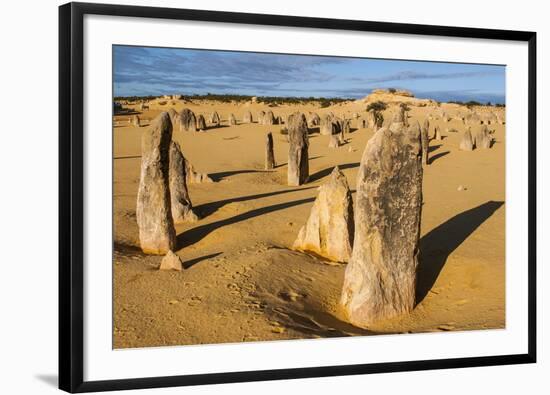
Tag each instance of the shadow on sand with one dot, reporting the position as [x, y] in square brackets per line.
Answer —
[437, 156]
[194, 261]
[325, 172]
[439, 243]
[209, 208]
[194, 235]
[224, 174]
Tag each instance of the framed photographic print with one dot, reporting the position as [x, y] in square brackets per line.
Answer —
[251, 197]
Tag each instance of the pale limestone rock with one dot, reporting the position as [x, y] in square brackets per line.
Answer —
[172, 113]
[232, 120]
[437, 134]
[188, 121]
[268, 118]
[215, 119]
[194, 177]
[483, 139]
[247, 117]
[201, 123]
[171, 262]
[466, 144]
[328, 231]
[182, 209]
[298, 159]
[327, 125]
[269, 155]
[425, 140]
[380, 278]
[154, 215]
[334, 141]
[314, 120]
[261, 115]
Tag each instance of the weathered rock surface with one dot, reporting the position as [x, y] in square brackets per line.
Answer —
[327, 126]
[268, 118]
[188, 121]
[194, 177]
[171, 262]
[172, 113]
[247, 117]
[345, 126]
[314, 120]
[201, 123]
[232, 120]
[467, 144]
[380, 278]
[425, 140]
[215, 119]
[437, 134]
[261, 116]
[473, 119]
[136, 121]
[182, 209]
[334, 141]
[298, 159]
[483, 139]
[154, 215]
[328, 231]
[176, 122]
[269, 155]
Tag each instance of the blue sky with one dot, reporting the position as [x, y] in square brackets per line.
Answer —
[142, 71]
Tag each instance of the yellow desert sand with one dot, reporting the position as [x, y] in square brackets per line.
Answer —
[242, 281]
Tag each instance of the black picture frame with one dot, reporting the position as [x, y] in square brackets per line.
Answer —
[71, 198]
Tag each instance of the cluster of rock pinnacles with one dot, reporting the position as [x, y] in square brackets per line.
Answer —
[378, 237]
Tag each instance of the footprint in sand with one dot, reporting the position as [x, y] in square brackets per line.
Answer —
[195, 301]
[290, 296]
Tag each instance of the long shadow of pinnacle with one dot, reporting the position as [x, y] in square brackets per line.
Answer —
[439, 243]
[325, 172]
[194, 235]
[209, 208]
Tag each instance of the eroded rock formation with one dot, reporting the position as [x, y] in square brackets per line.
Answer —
[154, 215]
[298, 159]
[380, 278]
[182, 209]
[269, 155]
[328, 231]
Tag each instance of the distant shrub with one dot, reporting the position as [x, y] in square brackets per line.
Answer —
[162, 103]
[392, 90]
[376, 109]
[377, 106]
[405, 107]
